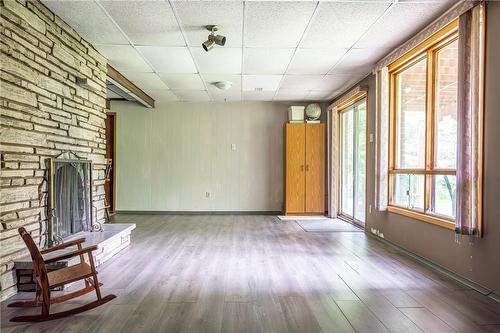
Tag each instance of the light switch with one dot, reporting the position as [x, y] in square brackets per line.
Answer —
[233, 146]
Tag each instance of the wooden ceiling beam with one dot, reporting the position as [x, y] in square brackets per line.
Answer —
[119, 80]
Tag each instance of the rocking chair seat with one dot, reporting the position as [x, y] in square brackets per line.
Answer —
[69, 274]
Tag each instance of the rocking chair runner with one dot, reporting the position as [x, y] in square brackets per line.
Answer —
[49, 280]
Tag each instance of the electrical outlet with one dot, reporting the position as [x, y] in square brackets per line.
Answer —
[233, 146]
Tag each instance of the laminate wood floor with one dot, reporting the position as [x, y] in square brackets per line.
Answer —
[259, 274]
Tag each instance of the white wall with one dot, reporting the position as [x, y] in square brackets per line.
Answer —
[169, 157]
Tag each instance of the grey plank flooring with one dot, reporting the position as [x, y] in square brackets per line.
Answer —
[205, 273]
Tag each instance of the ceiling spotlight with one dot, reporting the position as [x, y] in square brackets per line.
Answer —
[213, 38]
[223, 85]
[208, 45]
[218, 39]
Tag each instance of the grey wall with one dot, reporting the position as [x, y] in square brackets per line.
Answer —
[475, 259]
[168, 158]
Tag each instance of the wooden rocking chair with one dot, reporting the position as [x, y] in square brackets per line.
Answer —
[57, 278]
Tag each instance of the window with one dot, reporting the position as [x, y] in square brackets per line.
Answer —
[423, 130]
[352, 155]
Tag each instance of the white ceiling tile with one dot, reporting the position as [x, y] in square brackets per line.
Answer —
[358, 61]
[183, 81]
[146, 22]
[265, 82]
[337, 81]
[301, 82]
[266, 60]
[314, 82]
[162, 96]
[258, 95]
[195, 15]
[314, 61]
[340, 24]
[124, 58]
[218, 60]
[89, 19]
[402, 22]
[291, 95]
[192, 95]
[276, 24]
[320, 95]
[226, 95]
[169, 59]
[145, 81]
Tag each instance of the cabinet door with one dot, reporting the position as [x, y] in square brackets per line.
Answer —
[295, 137]
[315, 168]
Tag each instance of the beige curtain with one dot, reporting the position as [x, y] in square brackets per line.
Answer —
[382, 140]
[470, 109]
[332, 127]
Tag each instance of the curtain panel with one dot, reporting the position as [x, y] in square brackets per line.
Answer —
[382, 140]
[470, 121]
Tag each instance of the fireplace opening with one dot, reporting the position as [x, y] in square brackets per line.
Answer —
[70, 199]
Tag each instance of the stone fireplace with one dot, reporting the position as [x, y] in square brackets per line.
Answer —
[70, 199]
[47, 115]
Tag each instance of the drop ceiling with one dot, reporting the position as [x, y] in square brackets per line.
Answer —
[275, 50]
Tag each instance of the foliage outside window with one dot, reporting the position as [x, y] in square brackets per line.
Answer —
[423, 130]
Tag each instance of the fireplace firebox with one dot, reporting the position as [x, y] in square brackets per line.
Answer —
[70, 199]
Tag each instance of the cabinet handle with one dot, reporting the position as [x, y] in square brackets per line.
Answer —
[302, 168]
[307, 167]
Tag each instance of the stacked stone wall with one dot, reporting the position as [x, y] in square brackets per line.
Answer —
[44, 114]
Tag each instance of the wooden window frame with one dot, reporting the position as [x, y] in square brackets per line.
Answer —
[428, 50]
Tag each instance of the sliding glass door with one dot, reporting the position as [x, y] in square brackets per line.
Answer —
[353, 162]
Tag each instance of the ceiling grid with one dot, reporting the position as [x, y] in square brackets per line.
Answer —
[275, 50]
[295, 50]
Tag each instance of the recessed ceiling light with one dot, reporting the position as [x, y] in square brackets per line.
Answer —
[223, 85]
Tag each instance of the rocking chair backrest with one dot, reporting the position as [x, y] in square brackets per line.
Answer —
[36, 256]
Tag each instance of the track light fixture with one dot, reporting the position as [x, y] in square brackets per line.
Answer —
[213, 38]
[208, 45]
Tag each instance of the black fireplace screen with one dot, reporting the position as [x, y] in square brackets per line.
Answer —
[71, 199]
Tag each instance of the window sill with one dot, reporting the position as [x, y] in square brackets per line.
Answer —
[422, 217]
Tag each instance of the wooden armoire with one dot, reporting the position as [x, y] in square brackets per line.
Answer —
[304, 169]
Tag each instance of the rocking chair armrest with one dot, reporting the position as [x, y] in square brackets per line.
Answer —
[63, 245]
[71, 254]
